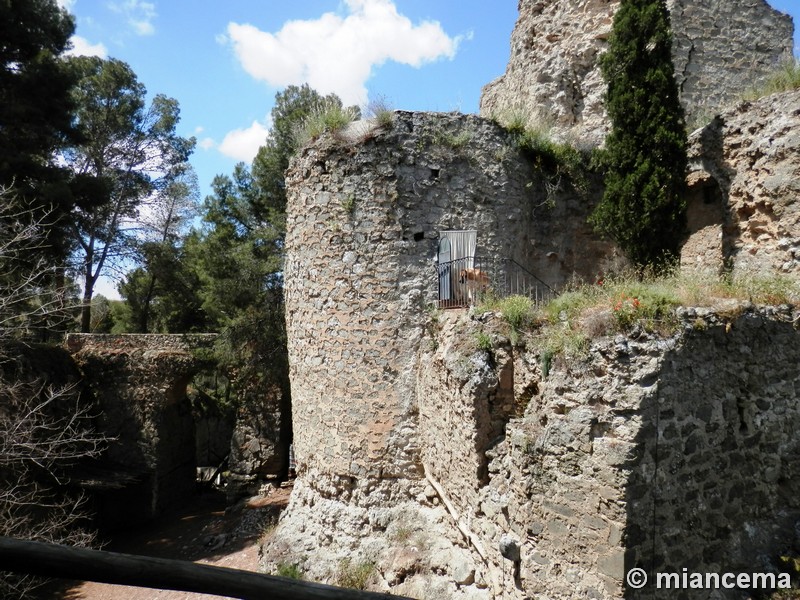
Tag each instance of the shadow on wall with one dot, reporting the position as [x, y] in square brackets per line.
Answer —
[715, 487]
[139, 383]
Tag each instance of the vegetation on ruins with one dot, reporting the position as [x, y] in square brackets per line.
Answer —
[354, 574]
[784, 79]
[380, 111]
[643, 208]
[289, 570]
[557, 163]
[634, 302]
[328, 115]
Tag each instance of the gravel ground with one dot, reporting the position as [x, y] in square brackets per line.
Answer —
[202, 532]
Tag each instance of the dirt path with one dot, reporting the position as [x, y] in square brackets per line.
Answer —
[203, 532]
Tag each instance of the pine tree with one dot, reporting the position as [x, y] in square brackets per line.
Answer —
[643, 208]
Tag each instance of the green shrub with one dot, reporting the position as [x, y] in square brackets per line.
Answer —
[289, 570]
[349, 203]
[328, 116]
[354, 575]
[381, 111]
[483, 341]
[514, 120]
[555, 161]
[402, 534]
[517, 311]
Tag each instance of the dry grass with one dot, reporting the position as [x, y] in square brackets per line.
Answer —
[627, 302]
[354, 575]
[784, 79]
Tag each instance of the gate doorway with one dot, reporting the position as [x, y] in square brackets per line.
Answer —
[456, 253]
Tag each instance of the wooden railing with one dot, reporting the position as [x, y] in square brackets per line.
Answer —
[65, 562]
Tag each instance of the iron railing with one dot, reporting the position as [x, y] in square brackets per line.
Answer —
[468, 281]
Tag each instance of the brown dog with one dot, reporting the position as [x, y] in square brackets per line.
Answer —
[474, 281]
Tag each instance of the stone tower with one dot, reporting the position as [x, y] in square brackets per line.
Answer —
[719, 50]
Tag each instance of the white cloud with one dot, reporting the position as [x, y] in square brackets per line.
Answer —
[207, 143]
[243, 144]
[140, 15]
[66, 4]
[82, 47]
[337, 54]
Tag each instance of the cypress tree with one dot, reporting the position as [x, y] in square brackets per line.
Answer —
[643, 208]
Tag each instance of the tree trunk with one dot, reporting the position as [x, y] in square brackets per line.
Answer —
[144, 319]
[88, 292]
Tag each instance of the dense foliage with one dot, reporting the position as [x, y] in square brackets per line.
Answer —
[35, 105]
[226, 276]
[129, 153]
[35, 123]
[643, 208]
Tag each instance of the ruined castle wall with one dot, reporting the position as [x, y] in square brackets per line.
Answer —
[744, 202]
[653, 453]
[364, 218]
[139, 384]
[720, 49]
[470, 396]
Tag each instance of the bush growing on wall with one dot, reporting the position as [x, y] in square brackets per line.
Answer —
[643, 208]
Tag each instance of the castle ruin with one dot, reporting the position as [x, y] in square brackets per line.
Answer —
[461, 472]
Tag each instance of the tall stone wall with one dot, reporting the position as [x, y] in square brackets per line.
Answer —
[364, 220]
[657, 453]
[719, 50]
[744, 190]
[436, 461]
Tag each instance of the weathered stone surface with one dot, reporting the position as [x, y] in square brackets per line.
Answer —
[696, 429]
[509, 548]
[744, 203]
[260, 440]
[363, 226]
[400, 416]
[720, 49]
[139, 383]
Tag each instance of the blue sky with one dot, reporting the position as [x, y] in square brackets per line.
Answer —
[209, 55]
[418, 54]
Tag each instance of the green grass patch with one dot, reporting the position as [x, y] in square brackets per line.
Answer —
[517, 311]
[629, 302]
[326, 117]
[354, 575]
[784, 79]
[289, 570]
